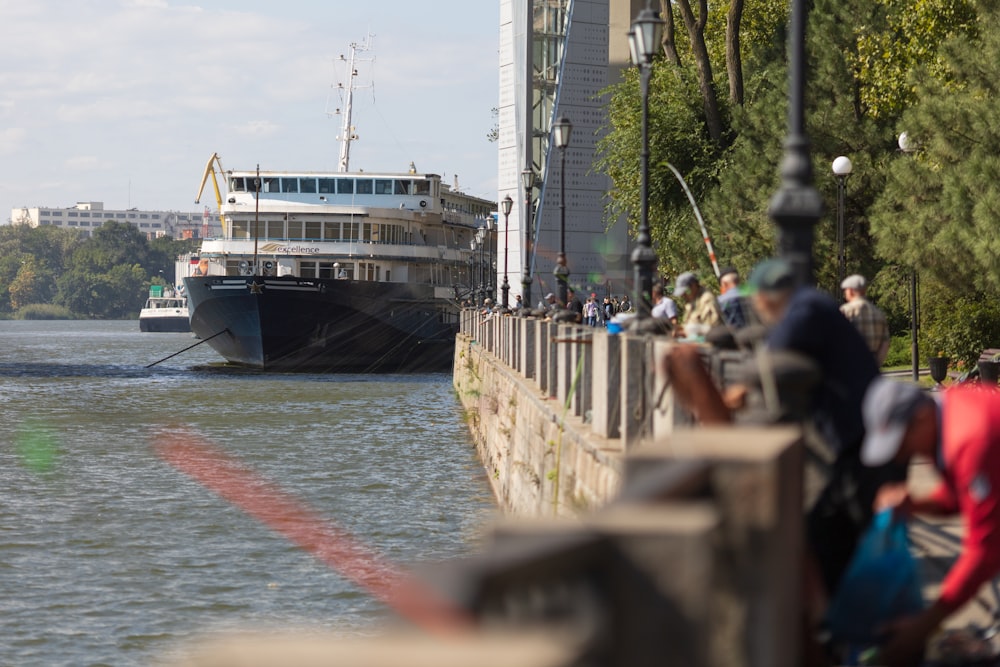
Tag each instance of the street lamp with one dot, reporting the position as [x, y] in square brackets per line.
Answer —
[474, 277]
[528, 181]
[644, 43]
[561, 131]
[796, 207]
[506, 205]
[907, 145]
[841, 169]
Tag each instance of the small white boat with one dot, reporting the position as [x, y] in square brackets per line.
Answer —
[166, 310]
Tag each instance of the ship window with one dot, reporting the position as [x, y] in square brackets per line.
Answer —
[289, 185]
[345, 186]
[369, 271]
[307, 269]
[237, 185]
[404, 187]
[241, 229]
[350, 231]
[364, 187]
[383, 186]
[422, 187]
[366, 231]
[307, 185]
[269, 185]
[326, 186]
[331, 231]
[272, 229]
[294, 229]
[313, 229]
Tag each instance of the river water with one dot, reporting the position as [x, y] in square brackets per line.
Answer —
[110, 556]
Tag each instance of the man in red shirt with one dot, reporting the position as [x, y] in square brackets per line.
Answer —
[960, 433]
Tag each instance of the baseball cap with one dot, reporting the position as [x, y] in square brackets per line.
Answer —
[684, 282]
[856, 281]
[887, 409]
[771, 275]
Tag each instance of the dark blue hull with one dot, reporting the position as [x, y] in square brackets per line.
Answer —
[323, 325]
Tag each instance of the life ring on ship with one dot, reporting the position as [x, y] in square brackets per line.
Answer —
[423, 203]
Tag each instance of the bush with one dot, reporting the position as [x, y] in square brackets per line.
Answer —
[44, 311]
[900, 353]
[961, 328]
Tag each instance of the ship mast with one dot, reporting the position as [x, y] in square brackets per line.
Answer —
[347, 134]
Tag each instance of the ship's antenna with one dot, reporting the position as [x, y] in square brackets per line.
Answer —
[347, 132]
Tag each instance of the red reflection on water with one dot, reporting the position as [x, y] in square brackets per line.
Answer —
[328, 542]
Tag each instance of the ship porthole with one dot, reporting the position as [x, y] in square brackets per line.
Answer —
[423, 203]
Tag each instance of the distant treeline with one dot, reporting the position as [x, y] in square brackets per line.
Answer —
[105, 276]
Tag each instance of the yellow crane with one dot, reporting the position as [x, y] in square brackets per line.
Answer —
[213, 162]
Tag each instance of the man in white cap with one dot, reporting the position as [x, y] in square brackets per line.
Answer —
[960, 433]
[866, 316]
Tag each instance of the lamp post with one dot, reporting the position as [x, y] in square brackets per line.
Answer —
[528, 181]
[507, 204]
[907, 146]
[644, 43]
[561, 131]
[796, 206]
[841, 169]
[474, 277]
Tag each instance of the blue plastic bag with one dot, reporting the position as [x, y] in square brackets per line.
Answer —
[881, 583]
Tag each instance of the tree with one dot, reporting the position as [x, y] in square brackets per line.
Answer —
[939, 209]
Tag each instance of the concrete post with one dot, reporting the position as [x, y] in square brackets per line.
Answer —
[528, 346]
[542, 355]
[756, 483]
[636, 420]
[606, 383]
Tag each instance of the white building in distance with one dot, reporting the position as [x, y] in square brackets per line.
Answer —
[85, 217]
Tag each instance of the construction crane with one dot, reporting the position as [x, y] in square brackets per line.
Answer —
[213, 162]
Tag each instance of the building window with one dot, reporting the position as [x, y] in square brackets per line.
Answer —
[56, 214]
[120, 216]
[71, 214]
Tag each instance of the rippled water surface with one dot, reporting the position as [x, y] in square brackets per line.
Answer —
[110, 556]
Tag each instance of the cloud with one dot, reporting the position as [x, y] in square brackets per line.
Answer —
[11, 139]
[256, 128]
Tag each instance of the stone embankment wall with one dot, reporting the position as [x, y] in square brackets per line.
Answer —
[553, 408]
[541, 459]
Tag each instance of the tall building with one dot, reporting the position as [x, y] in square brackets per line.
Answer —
[85, 217]
[556, 58]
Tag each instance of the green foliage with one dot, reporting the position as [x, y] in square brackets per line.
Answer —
[900, 352]
[959, 327]
[44, 311]
[939, 208]
[105, 276]
[907, 38]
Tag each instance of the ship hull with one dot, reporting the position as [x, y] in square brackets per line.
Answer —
[170, 324]
[323, 325]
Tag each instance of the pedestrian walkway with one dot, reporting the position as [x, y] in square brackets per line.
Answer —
[937, 543]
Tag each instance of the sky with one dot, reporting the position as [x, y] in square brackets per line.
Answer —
[124, 101]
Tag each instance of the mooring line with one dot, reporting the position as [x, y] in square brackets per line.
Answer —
[203, 340]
